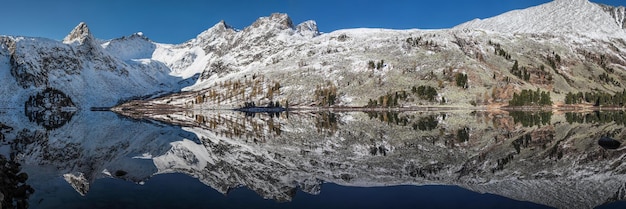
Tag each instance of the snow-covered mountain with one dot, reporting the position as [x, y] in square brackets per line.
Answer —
[563, 46]
[81, 68]
[274, 59]
[236, 49]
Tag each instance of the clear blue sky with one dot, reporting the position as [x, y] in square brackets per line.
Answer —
[181, 20]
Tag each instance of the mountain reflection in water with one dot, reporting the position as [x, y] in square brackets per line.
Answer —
[526, 159]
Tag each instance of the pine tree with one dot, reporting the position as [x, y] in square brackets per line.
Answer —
[371, 64]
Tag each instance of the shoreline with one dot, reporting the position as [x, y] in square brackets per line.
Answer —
[161, 108]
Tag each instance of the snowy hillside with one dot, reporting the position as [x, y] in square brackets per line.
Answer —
[81, 68]
[250, 48]
[559, 17]
[275, 60]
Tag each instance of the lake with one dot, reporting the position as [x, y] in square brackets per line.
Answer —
[227, 159]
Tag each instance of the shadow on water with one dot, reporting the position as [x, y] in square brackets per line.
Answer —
[185, 192]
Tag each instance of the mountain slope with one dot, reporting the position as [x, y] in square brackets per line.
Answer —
[559, 47]
[80, 68]
[618, 13]
[273, 60]
[562, 17]
[135, 46]
[237, 49]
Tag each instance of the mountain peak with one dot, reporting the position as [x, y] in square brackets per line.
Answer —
[221, 26]
[80, 34]
[571, 1]
[308, 28]
[558, 16]
[217, 30]
[280, 21]
[139, 35]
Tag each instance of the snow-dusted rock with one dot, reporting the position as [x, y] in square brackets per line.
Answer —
[81, 68]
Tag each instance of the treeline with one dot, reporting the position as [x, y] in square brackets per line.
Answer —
[270, 104]
[554, 60]
[499, 51]
[604, 77]
[419, 42]
[425, 92]
[531, 98]
[521, 73]
[597, 98]
[326, 96]
[246, 89]
[461, 80]
[376, 65]
[428, 93]
[388, 100]
[526, 73]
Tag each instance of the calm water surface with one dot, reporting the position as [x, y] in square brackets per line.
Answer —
[218, 159]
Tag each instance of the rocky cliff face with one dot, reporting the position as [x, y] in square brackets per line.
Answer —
[618, 13]
[79, 67]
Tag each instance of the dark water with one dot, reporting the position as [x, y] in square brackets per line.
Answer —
[182, 191]
[316, 160]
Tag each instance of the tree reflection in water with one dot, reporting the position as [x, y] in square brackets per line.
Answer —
[50, 108]
[14, 192]
[526, 156]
